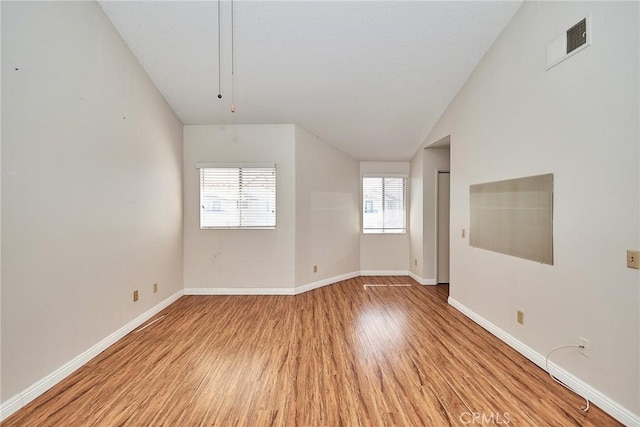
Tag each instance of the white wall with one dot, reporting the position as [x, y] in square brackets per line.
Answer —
[240, 258]
[1, 397]
[434, 159]
[384, 252]
[579, 121]
[91, 188]
[327, 206]
[422, 212]
[416, 237]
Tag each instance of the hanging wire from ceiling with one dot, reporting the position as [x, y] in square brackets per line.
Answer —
[219, 56]
[233, 105]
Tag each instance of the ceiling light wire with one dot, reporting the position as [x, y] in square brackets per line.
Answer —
[232, 31]
[219, 56]
[233, 105]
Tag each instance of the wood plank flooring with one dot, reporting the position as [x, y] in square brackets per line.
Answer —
[335, 356]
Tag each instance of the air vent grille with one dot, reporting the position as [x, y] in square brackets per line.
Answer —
[576, 36]
[569, 42]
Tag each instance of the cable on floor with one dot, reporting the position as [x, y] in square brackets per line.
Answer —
[546, 362]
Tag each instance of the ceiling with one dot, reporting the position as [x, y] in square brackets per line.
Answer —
[370, 77]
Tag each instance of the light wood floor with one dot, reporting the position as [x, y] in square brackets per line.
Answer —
[336, 356]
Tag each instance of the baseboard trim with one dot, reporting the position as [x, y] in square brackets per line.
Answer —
[617, 411]
[21, 399]
[325, 282]
[421, 280]
[239, 291]
[272, 291]
[384, 272]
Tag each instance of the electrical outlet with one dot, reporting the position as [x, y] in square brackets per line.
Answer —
[415, 262]
[520, 317]
[464, 233]
[155, 288]
[584, 347]
[315, 268]
[135, 296]
[633, 259]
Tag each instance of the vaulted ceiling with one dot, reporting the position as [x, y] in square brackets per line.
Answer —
[370, 77]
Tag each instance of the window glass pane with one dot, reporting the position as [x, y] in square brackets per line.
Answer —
[373, 215]
[237, 197]
[394, 203]
[383, 205]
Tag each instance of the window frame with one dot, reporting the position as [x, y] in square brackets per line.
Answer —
[239, 166]
[364, 205]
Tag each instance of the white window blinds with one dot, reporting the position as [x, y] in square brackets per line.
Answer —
[237, 197]
[384, 204]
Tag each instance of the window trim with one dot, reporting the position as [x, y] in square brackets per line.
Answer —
[393, 231]
[206, 165]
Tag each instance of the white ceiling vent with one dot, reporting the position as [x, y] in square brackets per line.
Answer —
[570, 42]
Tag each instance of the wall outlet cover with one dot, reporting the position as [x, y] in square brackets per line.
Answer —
[633, 259]
[584, 347]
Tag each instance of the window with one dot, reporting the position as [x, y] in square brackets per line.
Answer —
[384, 204]
[368, 206]
[237, 196]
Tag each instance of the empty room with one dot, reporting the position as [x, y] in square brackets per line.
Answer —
[320, 213]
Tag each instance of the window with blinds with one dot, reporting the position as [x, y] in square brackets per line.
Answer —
[238, 197]
[384, 204]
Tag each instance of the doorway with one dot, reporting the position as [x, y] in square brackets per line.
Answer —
[442, 238]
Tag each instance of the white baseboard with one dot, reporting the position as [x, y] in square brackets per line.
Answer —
[605, 403]
[325, 282]
[239, 291]
[271, 291]
[21, 399]
[421, 280]
[384, 272]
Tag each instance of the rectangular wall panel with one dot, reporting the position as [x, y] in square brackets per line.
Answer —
[514, 217]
